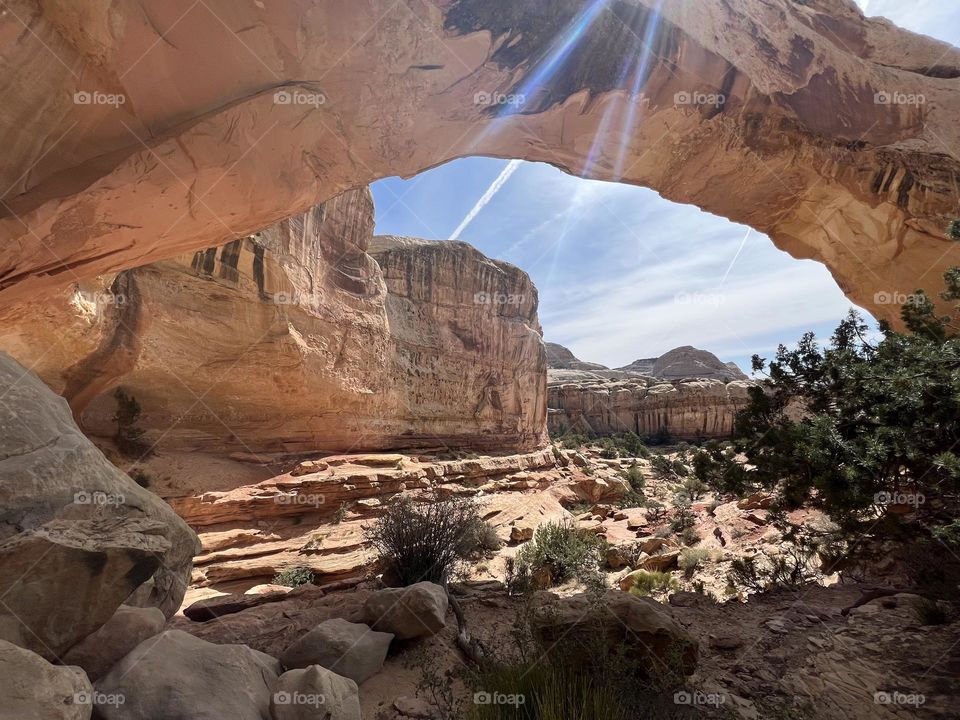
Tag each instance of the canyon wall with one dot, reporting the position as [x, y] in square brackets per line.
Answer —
[147, 131]
[294, 339]
[686, 409]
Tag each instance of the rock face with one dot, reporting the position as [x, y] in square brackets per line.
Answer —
[76, 534]
[128, 627]
[351, 650]
[295, 339]
[802, 120]
[687, 410]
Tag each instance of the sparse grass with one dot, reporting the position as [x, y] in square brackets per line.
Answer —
[649, 582]
[692, 558]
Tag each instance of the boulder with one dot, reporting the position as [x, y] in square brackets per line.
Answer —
[101, 650]
[646, 627]
[176, 676]
[33, 689]
[214, 607]
[520, 534]
[62, 580]
[49, 471]
[757, 501]
[651, 544]
[312, 693]
[409, 612]
[661, 562]
[349, 649]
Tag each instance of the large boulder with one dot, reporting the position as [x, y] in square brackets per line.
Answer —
[349, 649]
[128, 627]
[49, 471]
[619, 619]
[62, 580]
[30, 687]
[409, 612]
[176, 676]
[315, 692]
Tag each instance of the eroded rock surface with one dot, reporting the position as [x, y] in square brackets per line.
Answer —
[297, 338]
[784, 116]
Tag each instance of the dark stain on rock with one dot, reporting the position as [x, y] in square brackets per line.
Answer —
[903, 192]
[230, 259]
[527, 34]
[258, 276]
[426, 67]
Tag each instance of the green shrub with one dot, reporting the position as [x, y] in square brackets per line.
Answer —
[653, 581]
[425, 540]
[660, 437]
[689, 536]
[668, 469]
[682, 519]
[294, 577]
[693, 489]
[634, 476]
[563, 550]
[656, 511]
[480, 538]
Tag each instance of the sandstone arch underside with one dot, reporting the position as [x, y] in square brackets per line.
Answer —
[833, 133]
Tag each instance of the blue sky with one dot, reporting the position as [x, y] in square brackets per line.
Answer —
[623, 273]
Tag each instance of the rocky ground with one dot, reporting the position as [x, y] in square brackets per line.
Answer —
[767, 655]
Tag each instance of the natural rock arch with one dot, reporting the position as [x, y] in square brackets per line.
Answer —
[199, 151]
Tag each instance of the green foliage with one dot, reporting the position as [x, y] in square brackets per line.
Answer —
[426, 540]
[689, 536]
[660, 437]
[667, 468]
[693, 489]
[563, 550]
[128, 437]
[848, 424]
[571, 440]
[716, 465]
[517, 578]
[340, 514]
[634, 476]
[656, 511]
[294, 577]
[648, 582]
[792, 568]
[480, 538]
[953, 230]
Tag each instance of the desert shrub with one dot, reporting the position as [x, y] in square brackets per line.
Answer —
[656, 511]
[425, 540]
[716, 465]
[140, 477]
[792, 568]
[294, 577]
[692, 558]
[692, 489]
[480, 538]
[682, 518]
[517, 578]
[689, 536]
[953, 230]
[634, 476]
[128, 437]
[340, 514]
[930, 612]
[563, 550]
[668, 469]
[571, 440]
[653, 581]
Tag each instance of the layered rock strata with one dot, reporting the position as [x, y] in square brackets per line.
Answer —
[296, 339]
[833, 133]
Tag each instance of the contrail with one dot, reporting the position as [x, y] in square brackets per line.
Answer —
[487, 196]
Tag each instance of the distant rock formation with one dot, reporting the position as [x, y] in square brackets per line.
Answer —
[298, 338]
[687, 392]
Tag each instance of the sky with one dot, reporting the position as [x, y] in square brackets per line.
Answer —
[622, 273]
